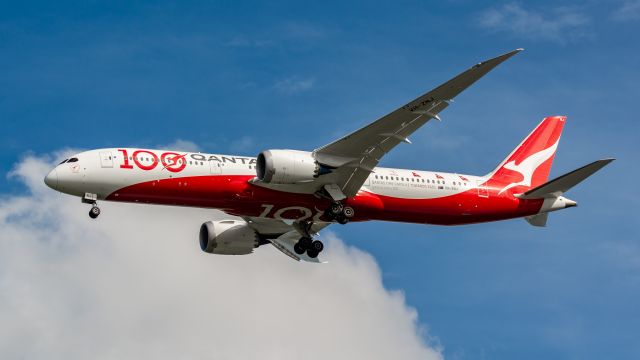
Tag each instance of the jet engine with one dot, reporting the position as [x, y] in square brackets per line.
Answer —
[287, 167]
[228, 237]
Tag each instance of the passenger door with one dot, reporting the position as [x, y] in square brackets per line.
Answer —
[106, 159]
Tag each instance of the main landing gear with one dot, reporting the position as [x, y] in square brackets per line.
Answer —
[89, 198]
[306, 243]
[337, 211]
[340, 213]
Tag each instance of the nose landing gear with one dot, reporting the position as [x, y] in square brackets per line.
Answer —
[94, 212]
[89, 198]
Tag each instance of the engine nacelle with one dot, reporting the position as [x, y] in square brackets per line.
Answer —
[286, 166]
[228, 237]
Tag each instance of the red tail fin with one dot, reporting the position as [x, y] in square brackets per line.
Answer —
[529, 164]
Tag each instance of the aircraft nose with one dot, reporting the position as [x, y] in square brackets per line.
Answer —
[52, 179]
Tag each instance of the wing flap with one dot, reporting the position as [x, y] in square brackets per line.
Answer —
[285, 242]
[283, 235]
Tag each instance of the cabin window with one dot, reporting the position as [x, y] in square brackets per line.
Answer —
[73, 160]
[63, 161]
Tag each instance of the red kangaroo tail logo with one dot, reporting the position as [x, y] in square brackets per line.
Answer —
[530, 163]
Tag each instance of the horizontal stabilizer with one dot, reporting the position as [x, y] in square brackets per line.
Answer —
[562, 184]
[538, 219]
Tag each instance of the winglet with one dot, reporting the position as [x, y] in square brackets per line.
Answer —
[450, 89]
[498, 59]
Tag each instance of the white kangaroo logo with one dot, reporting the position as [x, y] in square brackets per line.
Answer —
[529, 165]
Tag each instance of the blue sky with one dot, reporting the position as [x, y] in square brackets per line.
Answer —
[242, 77]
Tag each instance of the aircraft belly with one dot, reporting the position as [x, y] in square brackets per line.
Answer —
[235, 195]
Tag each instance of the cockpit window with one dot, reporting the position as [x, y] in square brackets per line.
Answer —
[73, 160]
[63, 161]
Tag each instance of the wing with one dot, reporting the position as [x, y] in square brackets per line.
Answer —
[354, 156]
[283, 235]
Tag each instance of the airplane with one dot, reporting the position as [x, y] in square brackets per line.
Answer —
[285, 197]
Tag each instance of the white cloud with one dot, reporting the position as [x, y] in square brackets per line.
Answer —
[556, 24]
[294, 85]
[134, 284]
[628, 11]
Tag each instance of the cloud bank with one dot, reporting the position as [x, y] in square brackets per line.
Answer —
[628, 11]
[134, 284]
[557, 24]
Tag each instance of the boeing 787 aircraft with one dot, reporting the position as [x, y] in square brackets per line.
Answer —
[284, 197]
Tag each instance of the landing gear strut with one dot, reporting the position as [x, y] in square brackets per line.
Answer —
[340, 213]
[89, 198]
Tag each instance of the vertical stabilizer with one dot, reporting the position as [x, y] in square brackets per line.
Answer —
[530, 162]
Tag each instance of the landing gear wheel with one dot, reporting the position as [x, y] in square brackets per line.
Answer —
[298, 248]
[348, 212]
[317, 246]
[312, 253]
[94, 212]
[342, 219]
[302, 245]
[336, 209]
[329, 215]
